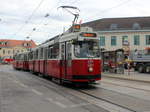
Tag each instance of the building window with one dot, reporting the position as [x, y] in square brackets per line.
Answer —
[3, 51]
[8, 51]
[113, 41]
[147, 39]
[102, 41]
[125, 40]
[136, 40]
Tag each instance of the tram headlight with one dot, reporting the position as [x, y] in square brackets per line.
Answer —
[90, 69]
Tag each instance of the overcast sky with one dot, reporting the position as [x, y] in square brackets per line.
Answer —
[19, 17]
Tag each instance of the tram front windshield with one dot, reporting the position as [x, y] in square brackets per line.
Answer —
[86, 49]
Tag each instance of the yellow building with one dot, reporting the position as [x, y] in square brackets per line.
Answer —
[10, 47]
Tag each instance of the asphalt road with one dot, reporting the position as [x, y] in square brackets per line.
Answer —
[23, 92]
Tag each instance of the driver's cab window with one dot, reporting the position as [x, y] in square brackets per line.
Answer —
[86, 49]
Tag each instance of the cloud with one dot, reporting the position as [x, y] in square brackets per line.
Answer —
[14, 14]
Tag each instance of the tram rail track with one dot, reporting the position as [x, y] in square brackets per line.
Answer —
[81, 91]
[93, 96]
[127, 86]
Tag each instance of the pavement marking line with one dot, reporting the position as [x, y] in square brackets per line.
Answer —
[79, 105]
[60, 98]
[9, 78]
[37, 92]
[50, 99]
[16, 81]
[60, 104]
[23, 85]
[57, 103]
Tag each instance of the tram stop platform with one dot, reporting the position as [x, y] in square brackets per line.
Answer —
[132, 75]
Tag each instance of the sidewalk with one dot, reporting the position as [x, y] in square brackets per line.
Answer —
[134, 76]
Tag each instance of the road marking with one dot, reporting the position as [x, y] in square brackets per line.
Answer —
[57, 103]
[16, 81]
[60, 98]
[50, 99]
[60, 104]
[23, 85]
[37, 92]
[9, 78]
[79, 105]
[100, 103]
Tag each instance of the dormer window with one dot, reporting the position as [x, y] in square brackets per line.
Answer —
[3, 43]
[26, 44]
[113, 26]
[136, 26]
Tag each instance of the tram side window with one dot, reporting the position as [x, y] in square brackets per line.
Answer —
[49, 53]
[36, 54]
[45, 50]
[17, 57]
[69, 50]
[41, 53]
[31, 56]
[63, 51]
[25, 57]
[22, 57]
[55, 51]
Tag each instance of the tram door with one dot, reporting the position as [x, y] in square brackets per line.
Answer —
[66, 57]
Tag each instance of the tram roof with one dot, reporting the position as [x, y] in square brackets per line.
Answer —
[68, 35]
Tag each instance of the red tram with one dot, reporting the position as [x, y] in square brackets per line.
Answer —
[73, 56]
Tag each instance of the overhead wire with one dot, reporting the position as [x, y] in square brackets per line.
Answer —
[42, 20]
[111, 8]
[47, 15]
[29, 18]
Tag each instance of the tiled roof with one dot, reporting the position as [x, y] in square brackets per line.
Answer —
[16, 43]
[130, 23]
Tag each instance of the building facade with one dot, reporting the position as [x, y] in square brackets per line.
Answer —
[10, 47]
[123, 33]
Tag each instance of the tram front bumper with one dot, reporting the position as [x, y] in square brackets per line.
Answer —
[86, 78]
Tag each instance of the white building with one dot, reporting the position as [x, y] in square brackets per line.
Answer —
[123, 33]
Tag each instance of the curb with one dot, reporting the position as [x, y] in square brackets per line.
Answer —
[126, 78]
